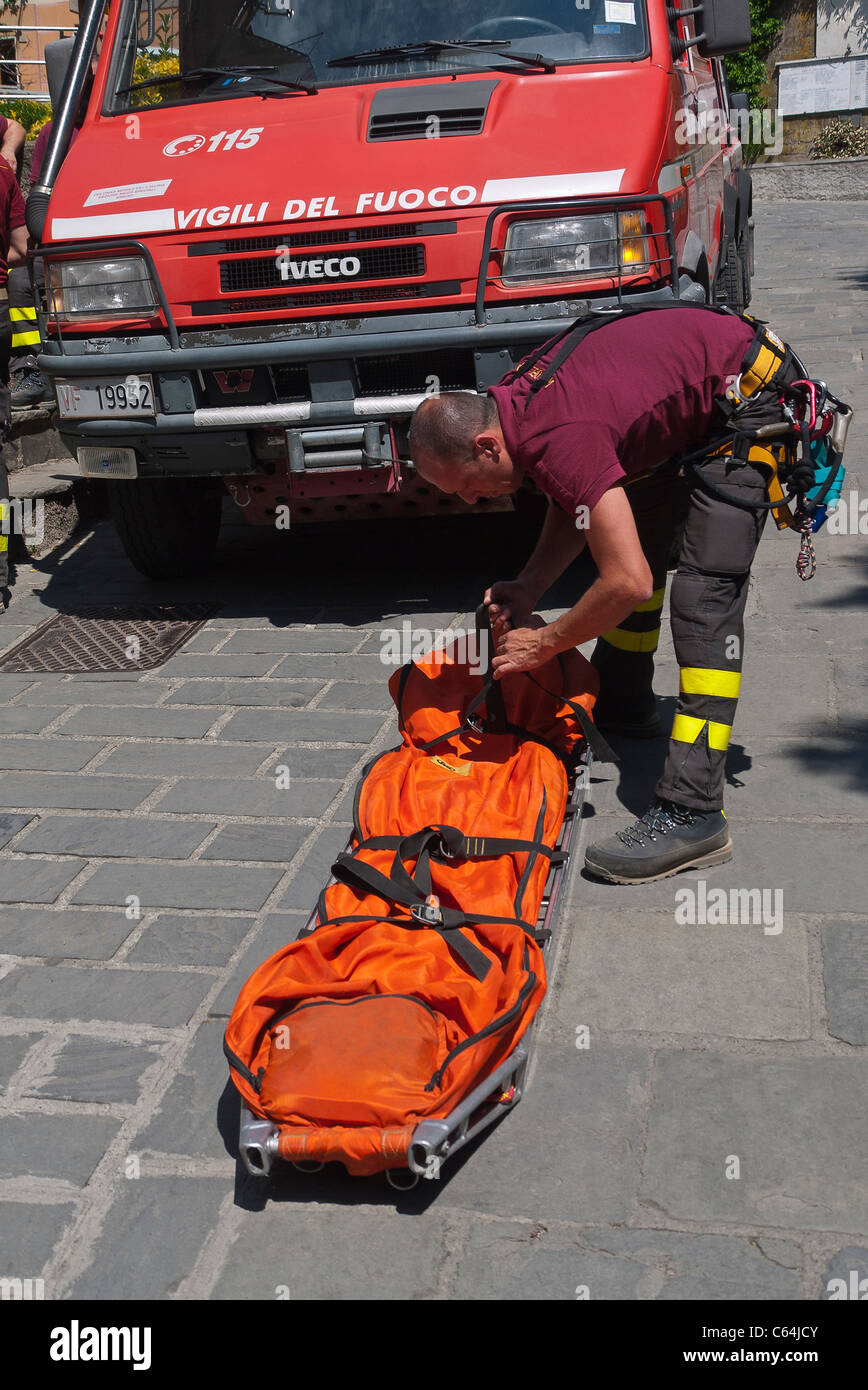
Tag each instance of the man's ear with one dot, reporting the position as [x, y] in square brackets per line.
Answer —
[486, 445]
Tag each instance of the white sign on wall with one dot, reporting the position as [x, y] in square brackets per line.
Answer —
[814, 86]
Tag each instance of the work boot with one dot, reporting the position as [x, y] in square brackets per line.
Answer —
[29, 387]
[665, 840]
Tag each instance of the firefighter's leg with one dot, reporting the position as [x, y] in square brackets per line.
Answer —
[28, 384]
[5, 420]
[685, 827]
[624, 656]
[709, 593]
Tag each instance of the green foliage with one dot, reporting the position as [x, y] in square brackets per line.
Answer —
[746, 72]
[840, 140]
[31, 114]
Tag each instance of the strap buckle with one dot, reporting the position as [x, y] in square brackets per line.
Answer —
[428, 913]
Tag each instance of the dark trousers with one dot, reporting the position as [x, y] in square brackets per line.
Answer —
[26, 340]
[5, 423]
[708, 596]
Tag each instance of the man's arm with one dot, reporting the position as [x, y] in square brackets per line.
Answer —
[13, 143]
[513, 601]
[624, 580]
[17, 253]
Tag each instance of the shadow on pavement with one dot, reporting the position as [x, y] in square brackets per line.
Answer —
[358, 571]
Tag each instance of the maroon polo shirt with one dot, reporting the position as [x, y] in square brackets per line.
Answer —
[636, 392]
[11, 213]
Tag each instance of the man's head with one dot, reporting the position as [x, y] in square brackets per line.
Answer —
[456, 443]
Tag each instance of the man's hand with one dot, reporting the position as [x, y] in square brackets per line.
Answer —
[523, 648]
[510, 603]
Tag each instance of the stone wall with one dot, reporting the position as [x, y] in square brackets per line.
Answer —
[805, 22]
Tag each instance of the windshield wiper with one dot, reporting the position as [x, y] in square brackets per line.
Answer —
[500, 47]
[239, 70]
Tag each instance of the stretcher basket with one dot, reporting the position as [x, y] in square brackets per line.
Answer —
[435, 1141]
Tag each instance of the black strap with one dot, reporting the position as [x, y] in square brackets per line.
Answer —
[492, 691]
[355, 873]
[450, 843]
[594, 739]
[575, 333]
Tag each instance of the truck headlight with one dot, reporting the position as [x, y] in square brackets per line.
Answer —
[570, 247]
[121, 289]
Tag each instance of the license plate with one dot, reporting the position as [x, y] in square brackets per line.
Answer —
[105, 398]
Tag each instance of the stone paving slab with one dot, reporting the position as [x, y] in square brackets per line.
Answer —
[188, 885]
[13, 1049]
[35, 881]
[96, 1070]
[54, 754]
[280, 695]
[165, 1221]
[159, 998]
[87, 792]
[30, 1232]
[845, 963]
[54, 1146]
[125, 836]
[798, 1128]
[303, 1253]
[175, 939]
[225, 796]
[138, 723]
[647, 972]
[520, 1262]
[63, 934]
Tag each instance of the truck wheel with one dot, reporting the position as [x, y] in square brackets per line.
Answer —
[745, 256]
[729, 289]
[168, 526]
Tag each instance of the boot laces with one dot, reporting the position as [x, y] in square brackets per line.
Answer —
[660, 817]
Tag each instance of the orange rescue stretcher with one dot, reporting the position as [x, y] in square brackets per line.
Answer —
[396, 1027]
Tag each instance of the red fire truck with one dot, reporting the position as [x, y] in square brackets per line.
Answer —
[284, 222]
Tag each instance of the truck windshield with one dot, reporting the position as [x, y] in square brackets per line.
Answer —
[325, 43]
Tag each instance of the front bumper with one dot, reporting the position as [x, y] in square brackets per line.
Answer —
[190, 436]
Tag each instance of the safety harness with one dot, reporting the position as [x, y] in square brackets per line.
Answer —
[794, 431]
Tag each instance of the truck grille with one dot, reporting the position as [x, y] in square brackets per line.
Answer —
[325, 297]
[398, 376]
[335, 236]
[376, 263]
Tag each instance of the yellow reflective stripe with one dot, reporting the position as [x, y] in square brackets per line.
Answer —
[632, 641]
[686, 729]
[19, 339]
[23, 314]
[695, 680]
[655, 601]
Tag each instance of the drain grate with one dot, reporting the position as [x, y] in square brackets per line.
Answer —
[108, 637]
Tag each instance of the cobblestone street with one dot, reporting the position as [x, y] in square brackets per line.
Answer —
[152, 857]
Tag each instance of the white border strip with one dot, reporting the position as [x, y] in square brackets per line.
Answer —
[155, 220]
[552, 186]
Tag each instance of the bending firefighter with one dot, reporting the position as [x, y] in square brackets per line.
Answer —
[624, 422]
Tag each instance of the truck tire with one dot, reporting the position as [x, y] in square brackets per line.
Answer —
[167, 526]
[745, 256]
[730, 287]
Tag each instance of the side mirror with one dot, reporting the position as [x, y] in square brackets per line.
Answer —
[723, 27]
[738, 101]
[57, 58]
